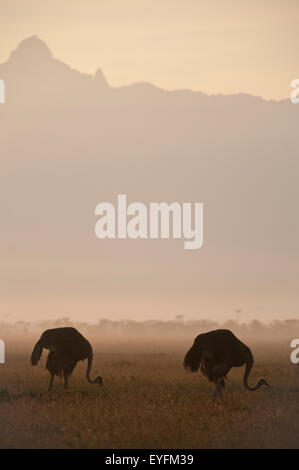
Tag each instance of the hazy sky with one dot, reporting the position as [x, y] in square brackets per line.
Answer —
[69, 142]
[214, 46]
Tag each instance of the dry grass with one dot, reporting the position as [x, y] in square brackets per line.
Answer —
[148, 401]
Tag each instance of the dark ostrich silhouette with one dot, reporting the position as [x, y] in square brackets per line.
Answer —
[67, 346]
[215, 353]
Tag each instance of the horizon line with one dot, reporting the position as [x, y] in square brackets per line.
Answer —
[174, 90]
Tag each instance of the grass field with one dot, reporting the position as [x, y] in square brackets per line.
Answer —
[148, 401]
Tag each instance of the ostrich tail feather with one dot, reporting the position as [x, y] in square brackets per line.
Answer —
[193, 358]
[36, 353]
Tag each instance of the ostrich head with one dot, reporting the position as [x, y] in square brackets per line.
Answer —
[99, 380]
[262, 383]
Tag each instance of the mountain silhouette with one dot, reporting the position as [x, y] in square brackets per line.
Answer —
[69, 141]
[33, 50]
[33, 60]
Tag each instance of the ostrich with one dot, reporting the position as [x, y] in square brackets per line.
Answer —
[67, 346]
[215, 353]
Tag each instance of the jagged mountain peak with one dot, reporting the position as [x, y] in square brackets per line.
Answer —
[100, 77]
[32, 48]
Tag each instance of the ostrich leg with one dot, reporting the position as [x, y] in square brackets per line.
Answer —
[51, 382]
[221, 392]
[217, 388]
[66, 380]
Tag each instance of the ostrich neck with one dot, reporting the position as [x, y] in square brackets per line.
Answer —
[248, 367]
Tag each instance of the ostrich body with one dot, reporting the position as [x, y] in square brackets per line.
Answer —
[67, 346]
[215, 353]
